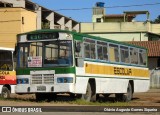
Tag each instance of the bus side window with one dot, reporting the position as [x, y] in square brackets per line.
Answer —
[87, 50]
[102, 51]
[134, 55]
[93, 55]
[142, 57]
[99, 52]
[114, 53]
[105, 53]
[124, 54]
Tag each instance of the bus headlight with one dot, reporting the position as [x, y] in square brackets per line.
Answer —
[65, 80]
[23, 81]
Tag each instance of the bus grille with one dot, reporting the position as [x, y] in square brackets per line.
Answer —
[42, 79]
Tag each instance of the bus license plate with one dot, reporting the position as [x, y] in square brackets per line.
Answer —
[41, 88]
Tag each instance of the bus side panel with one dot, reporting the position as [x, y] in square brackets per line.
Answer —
[13, 88]
[81, 85]
[111, 85]
[1, 88]
[141, 85]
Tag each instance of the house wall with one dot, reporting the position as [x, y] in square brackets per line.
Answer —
[115, 27]
[11, 24]
[30, 21]
[155, 28]
[123, 36]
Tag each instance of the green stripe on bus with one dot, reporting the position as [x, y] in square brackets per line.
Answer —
[58, 70]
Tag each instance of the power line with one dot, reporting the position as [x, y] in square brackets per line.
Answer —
[124, 6]
[135, 5]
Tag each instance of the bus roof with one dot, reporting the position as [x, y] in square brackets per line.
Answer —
[7, 49]
[82, 35]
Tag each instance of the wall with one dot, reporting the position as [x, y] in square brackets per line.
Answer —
[152, 63]
[11, 24]
[115, 27]
[123, 36]
[155, 28]
[30, 22]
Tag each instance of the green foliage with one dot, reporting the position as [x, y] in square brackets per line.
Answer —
[157, 20]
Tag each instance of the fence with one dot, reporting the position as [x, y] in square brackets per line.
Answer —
[155, 78]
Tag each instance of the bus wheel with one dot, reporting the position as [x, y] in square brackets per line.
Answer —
[5, 93]
[125, 97]
[87, 96]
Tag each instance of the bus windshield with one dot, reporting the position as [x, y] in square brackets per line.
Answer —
[45, 54]
[6, 62]
[58, 53]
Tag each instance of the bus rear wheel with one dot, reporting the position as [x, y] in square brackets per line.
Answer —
[5, 93]
[125, 97]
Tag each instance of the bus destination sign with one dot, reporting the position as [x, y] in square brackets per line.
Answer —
[43, 36]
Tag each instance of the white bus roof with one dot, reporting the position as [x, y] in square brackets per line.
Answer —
[5, 48]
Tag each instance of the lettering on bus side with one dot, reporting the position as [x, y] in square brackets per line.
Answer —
[122, 71]
[4, 72]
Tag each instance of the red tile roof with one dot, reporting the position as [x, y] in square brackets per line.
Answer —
[152, 46]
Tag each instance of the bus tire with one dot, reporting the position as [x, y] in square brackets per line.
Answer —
[5, 93]
[125, 97]
[88, 94]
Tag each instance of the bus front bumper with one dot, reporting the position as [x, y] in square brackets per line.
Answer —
[59, 88]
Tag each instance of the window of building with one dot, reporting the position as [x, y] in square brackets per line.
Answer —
[98, 20]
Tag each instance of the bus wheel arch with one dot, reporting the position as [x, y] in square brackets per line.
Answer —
[90, 91]
[132, 85]
[127, 96]
[6, 91]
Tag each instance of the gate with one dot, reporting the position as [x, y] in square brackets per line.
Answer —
[155, 78]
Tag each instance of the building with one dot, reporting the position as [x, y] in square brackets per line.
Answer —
[123, 27]
[120, 27]
[46, 18]
[153, 52]
[19, 16]
[14, 21]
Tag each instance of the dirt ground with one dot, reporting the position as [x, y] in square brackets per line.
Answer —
[150, 98]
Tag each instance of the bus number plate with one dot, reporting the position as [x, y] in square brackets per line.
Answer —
[41, 88]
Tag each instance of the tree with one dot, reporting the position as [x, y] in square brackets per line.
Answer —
[157, 20]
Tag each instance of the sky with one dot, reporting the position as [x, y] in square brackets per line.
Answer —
[85, 15]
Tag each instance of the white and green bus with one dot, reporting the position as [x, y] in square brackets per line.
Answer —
[51, 61]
